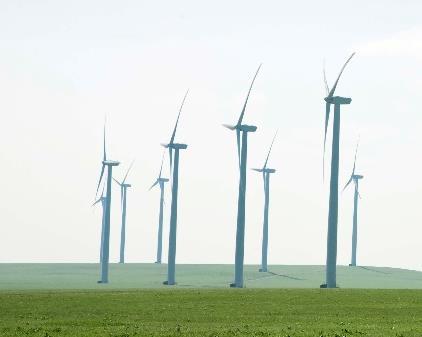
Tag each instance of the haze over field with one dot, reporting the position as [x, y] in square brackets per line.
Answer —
[64, 65]
[58, 277]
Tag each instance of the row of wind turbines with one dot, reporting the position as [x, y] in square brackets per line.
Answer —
[242, 131]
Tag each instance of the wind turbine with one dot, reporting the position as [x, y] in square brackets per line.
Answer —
[105, 242]
[101, 200]
[242, 153]
[355, 178]
[161, 183]
[337, 101]
[123, 197]
[176, 147]
[266, 179]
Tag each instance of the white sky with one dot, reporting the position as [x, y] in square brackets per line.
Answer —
[65, 64]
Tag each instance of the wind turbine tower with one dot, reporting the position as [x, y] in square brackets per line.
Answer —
[161, 183]
[337, 101]
[266, 180]
[123, 197]
[101, 200]
[242, 153]
[106, 237]
[355, 178]
[174, 147]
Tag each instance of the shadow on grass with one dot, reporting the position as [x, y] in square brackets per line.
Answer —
[272, 274]
[374, 270]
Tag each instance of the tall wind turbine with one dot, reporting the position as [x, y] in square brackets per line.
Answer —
[355, 178]
[337, 101]
[176, 147]
[161, 183]
[123, 197]
[242, 152]
[106, 237]
[101, 200]
[266, 180]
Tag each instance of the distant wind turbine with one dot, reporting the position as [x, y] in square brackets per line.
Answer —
[337, 101]
[172, 146]
[266, 180]
[101, 200]
[161, 183]
[242, 152]
[123, 197]
[355, 178]
[106, 237]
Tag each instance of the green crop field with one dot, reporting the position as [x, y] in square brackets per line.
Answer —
[128, 276]
[46, 300]
[212, 312]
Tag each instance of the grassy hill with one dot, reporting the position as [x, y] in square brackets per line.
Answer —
[127, 276]
[46, 300]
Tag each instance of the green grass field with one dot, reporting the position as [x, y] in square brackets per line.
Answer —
[129, 276]
[212, 312]
[46, 300]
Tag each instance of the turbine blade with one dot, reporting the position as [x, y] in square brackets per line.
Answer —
[153, 185]
[104, 158]
[327, 119]
[348, 183]
[101, 178]
[230, 127]
[171, 161]
[121, 196]
[333, 89]
[263, 180]
[239, 122]
[268, 155]
[161, 168]
[327, 89]
[238, 145]
[104, 146]
[128, 170]
[356, 153]
[96, 202]
[357, 189]
[177, 120]
[118, 182]
[102, 192]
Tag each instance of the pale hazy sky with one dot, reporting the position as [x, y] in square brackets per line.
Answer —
[65, 64]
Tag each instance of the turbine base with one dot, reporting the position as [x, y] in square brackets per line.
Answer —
[234, 285]
[324, 286]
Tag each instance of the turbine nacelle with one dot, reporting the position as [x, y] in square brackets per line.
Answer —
[177, 146]
[163, 180]
[338, 100]
[243, 127]
[265, 170]
[247, 128]
[126, 185]
[111, 163]
[357, 176]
